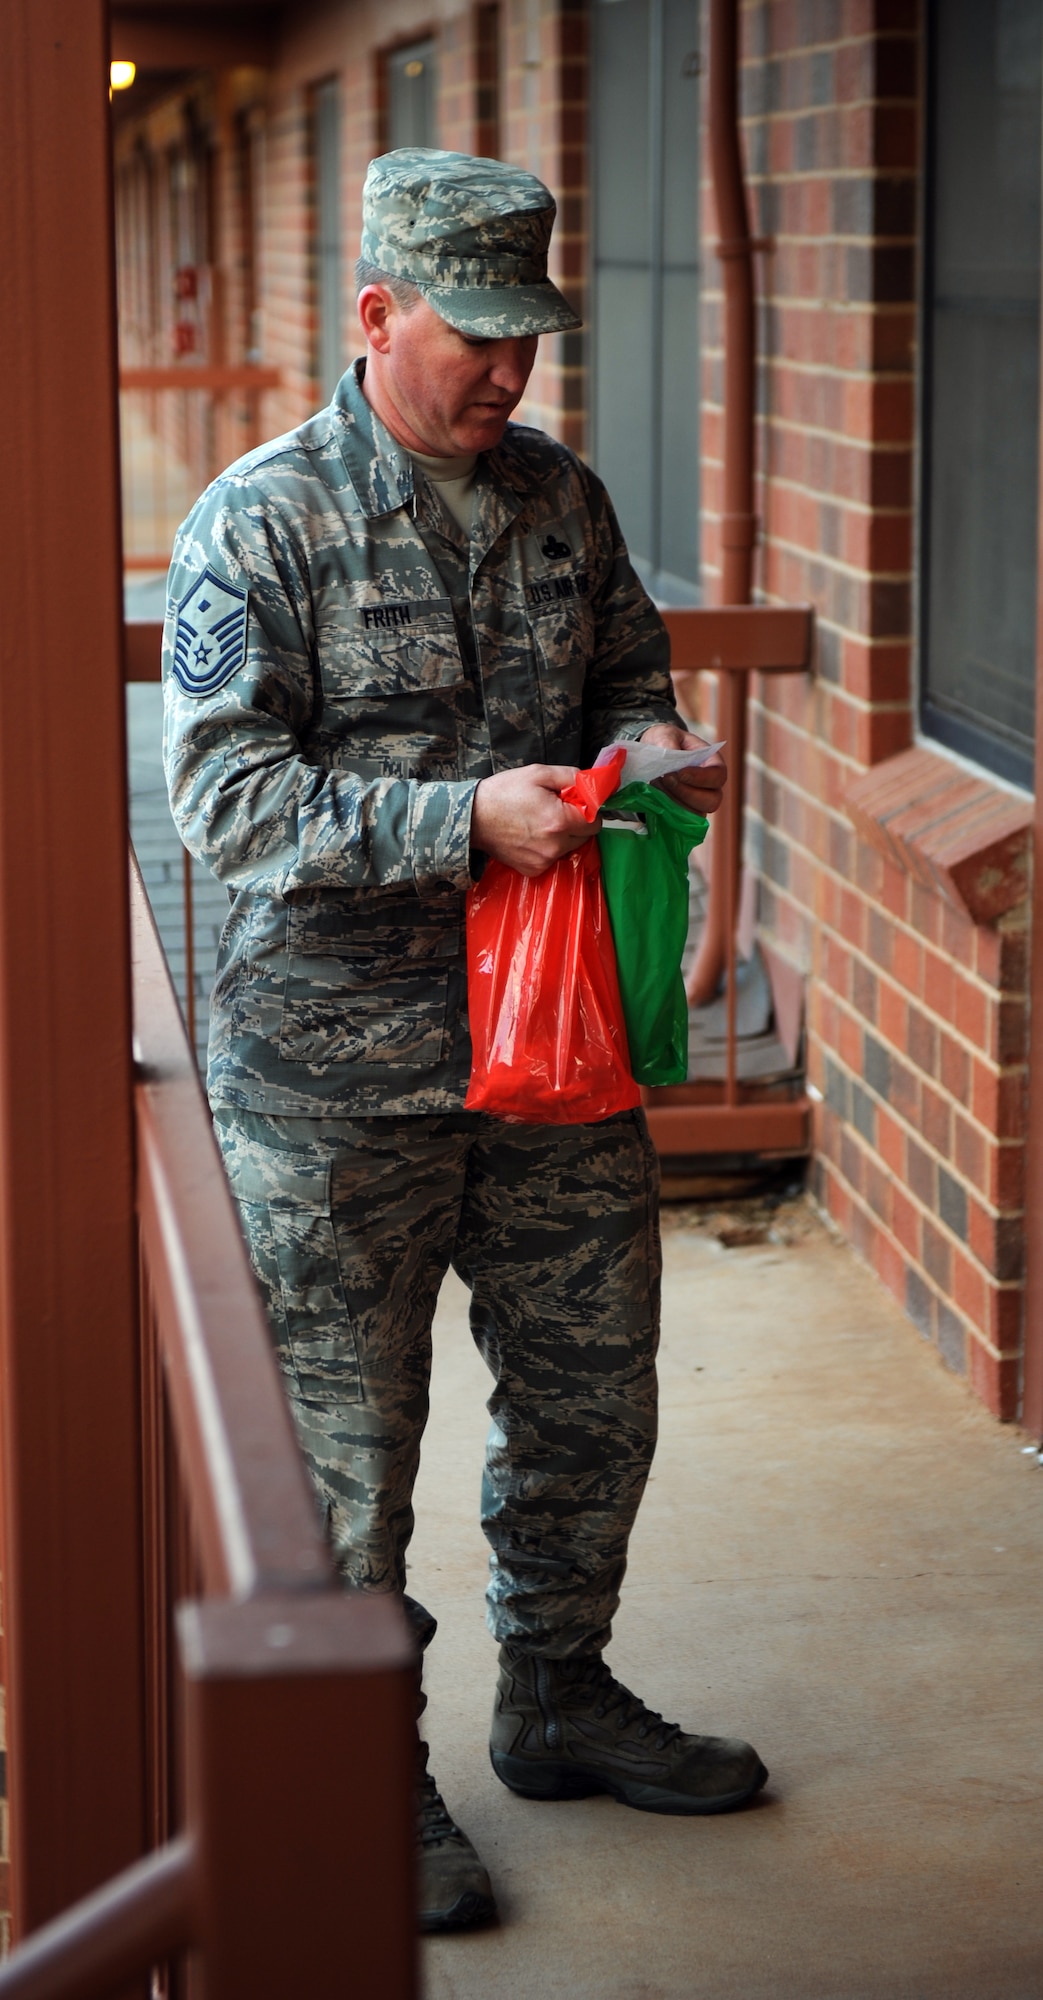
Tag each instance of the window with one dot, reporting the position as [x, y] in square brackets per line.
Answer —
[411, 109]
[645, 320]
[329, 356]
[981, 382]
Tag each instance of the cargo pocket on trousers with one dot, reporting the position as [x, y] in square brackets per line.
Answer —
[316, 1340]
[318, 1325]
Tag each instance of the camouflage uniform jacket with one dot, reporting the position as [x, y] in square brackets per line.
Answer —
[333, 695]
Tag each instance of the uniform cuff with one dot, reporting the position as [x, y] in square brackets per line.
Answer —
[440, 835]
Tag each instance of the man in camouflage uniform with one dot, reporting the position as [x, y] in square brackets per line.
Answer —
[393, 635]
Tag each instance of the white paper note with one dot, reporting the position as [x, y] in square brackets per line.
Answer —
[646, 762]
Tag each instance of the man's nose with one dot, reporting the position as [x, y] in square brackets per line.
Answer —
[513, 365]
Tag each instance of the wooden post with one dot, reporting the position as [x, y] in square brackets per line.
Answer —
[68, 1366]
[300, 1747]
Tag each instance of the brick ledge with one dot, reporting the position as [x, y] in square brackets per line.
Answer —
[957, 834]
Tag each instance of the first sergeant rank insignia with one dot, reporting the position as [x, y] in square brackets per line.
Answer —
[209, 634]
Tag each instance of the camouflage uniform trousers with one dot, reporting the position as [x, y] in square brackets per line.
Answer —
[352, 1225]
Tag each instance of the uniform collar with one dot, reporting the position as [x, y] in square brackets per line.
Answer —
[381, 471]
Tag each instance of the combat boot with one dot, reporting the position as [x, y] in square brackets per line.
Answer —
[563, 1729]
[453, 1887]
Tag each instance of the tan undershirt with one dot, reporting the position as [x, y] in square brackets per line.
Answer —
[454, 478]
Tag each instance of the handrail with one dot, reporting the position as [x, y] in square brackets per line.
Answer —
[217, 378]
[253, 1509]
[275, 1653]
[142, 1915]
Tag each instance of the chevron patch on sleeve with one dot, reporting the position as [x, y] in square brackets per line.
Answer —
[210, 634]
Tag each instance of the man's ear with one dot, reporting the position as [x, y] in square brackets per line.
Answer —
[375, 310]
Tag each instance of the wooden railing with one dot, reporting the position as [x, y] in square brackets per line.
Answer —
[732, 1116]
[279, 1708]
[180, 424]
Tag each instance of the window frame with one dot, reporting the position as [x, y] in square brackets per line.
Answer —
[994, 754]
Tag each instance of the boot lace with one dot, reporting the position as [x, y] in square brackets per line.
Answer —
[434, 1822]
[611, 1698]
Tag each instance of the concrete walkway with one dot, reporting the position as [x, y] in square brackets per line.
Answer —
[840, 1556]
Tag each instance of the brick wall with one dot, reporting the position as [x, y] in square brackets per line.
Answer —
[916, 1006]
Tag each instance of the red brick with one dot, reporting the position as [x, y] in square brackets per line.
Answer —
[876, 672]
[864, 1233]
[878, 1189]
[938, 984]
[1009, 1033]
[925, 913]
[954, 1067]
[836, 968]
[850, 1043]
[1005, 1184]
[1005, 1317]
[936, 1120]
[890, 1142]
[922, 1041]
[905, 1222]
[994, 1380]
[852, 918]
[937, 1255]
[905, 1091]
[883, 733]
[891, 1016]
[890, 1265]
[908, 962]
[895, 891]
[970, 1153]
[969, 1288]
[970, 1010]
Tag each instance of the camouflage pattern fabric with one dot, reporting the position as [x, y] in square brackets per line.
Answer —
[332, 702]
[352, 1223]
[471, 234]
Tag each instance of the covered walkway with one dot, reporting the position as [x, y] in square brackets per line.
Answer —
[839, 1555]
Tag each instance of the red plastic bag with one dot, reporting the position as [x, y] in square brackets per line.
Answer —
[549, 1044]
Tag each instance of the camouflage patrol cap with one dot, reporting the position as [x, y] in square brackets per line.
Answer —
[471, 235]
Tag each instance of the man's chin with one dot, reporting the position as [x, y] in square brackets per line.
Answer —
[481, 434]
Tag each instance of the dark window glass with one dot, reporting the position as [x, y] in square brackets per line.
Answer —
[982, 381]
[329, 356]
[646, 282]
[411, 110]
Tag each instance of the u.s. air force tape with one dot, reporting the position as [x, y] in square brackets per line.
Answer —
[209, 634]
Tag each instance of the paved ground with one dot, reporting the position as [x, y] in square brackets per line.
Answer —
[840, 1556]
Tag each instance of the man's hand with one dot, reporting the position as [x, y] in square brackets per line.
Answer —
[518, 818]
[700, 790]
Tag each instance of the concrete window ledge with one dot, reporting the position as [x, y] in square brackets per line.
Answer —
[957, 834]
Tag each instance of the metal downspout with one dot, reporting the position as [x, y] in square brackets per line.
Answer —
[738, 523]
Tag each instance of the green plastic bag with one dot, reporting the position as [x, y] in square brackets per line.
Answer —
[644, 868]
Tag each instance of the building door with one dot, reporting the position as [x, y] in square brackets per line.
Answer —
[411, 80]
[645, 325]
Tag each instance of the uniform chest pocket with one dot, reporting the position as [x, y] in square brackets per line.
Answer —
[563, 640]
[390, 648]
